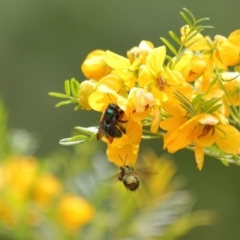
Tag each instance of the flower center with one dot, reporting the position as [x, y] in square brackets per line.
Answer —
[161, 83]
[206, 130]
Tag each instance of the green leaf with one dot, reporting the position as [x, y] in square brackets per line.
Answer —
[78, 107]
[175, 37]
[169, 45]
[197, 99]
[74, 140]
[58, 95]
[206, 106]
[65, 102]
[67, 87]
[215, 108]
[88, 130]
[190, 14]
[224, 162]
[186, 18]
[202, 19]
[74, 87]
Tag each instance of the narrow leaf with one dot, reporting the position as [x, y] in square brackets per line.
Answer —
[186, 19]
[65, 103]
[191, 15]
[67, 87]
[197, 99]
[169, 45]
[58, 95]
[215, 108]
[202, 19]
[71, 141]
[175, 37]
[88, 130]
[74, 84]
[78, 107]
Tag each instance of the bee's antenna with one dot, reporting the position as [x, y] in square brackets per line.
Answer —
[110, 98]
[124, 162]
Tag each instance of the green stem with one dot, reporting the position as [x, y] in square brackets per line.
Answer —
[234, 109]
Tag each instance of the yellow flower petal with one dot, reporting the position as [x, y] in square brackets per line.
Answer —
[234, 38]
[199, 156]
[155, 61]
[126, 155]
[228, 139]
[116, 61]
[94, 66]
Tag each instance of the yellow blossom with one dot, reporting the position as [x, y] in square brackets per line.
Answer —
[192, 66]
[94, 66]
[128, 154]
[46, 188]
[193, 41]
[231, 81]
[142, 51]
[123, 68]
[74, 212]
[85, 89]
[203, 130]
[226, 53]
[19, 173]
[7, 215]
[234, 38]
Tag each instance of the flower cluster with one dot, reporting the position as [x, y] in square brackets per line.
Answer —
[31, 198]
[189, 99]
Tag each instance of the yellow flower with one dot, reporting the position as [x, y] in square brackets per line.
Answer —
[226, 53]
[156, 77]
[142, 51]
[164, 167]
[85, 89]
[7, 215]
[232, 85]
[234, 38]
[192, 66]
[193, 41]
[46, 188]
[94, 66]
[20, 173]
[203, 130]
[108, 90]
[123, 68]
[128, 154]
[74, 212]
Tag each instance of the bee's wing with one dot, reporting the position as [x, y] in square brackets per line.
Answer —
[112, 179]
[145, 171]
[100, 132]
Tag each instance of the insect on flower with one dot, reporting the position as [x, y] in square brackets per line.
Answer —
[111, 123]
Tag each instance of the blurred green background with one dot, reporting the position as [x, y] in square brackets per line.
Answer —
[42, 43]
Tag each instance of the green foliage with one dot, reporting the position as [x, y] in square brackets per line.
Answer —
[71, 93]
[4, 132]
[195, 28]
[90, 134]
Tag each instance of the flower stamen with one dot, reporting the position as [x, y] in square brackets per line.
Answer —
[206, 130]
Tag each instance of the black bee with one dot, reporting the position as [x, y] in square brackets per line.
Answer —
[111, 123]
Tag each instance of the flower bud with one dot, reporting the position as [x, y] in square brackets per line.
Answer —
[94, 66]
[85, 89]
